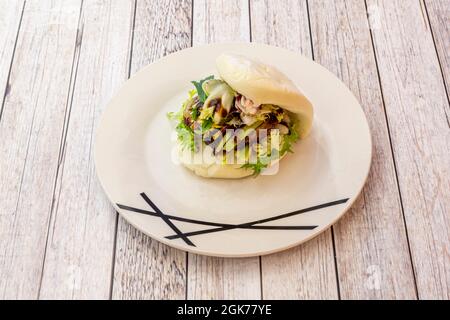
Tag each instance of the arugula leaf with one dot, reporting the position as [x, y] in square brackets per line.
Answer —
[198, 86]
[289, 140]
[257, 167]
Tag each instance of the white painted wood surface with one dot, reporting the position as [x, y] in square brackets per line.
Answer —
[416, 105]
[30, 129]
[372, 255]
[438, 12]
[62, 60]
[80, 247]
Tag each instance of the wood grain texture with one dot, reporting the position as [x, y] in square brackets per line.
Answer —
[439, 18]
[416, 102]
[209, 277]
[79, 256]
[373, 260]
[57, 229]
[145, 268]
[223, 278]
[30, 131]
[220, 21]
[10, 18]
[306, 271]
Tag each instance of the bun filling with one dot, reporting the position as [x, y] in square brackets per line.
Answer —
[232, 127]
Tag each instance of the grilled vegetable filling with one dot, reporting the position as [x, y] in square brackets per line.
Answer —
[228, 121]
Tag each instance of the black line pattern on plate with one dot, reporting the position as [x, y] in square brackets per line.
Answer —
[224, 226]
[166, 220]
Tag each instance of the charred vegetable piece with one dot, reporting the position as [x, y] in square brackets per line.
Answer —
[220, 97]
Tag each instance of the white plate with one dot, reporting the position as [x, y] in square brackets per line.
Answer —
[133, 156]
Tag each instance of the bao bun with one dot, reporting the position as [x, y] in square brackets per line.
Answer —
[263, 84]
[214, 170]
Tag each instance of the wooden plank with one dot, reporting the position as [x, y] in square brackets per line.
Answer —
[415, 102]
[220, 21]
[10, 18]
[30, 131]
[306, 271]
[145, 268]
[79, 256]
[373, 260]
[208, 277]
[223, 278]
[439, 18]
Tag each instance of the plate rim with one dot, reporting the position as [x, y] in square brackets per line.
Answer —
[322, 229]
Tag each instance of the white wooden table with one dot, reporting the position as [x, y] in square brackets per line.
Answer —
[60, 62]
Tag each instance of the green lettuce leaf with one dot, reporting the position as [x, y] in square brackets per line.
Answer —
[198, 86]
[185, 136]
[289, 139]
[261, 164]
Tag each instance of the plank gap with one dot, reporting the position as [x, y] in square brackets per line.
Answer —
[438, 57]
[336, 272]
[133, 26]
[310, 29]
[8, 84]
[60, 165]
[333, 241]
[116, 227]
[113, 262]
